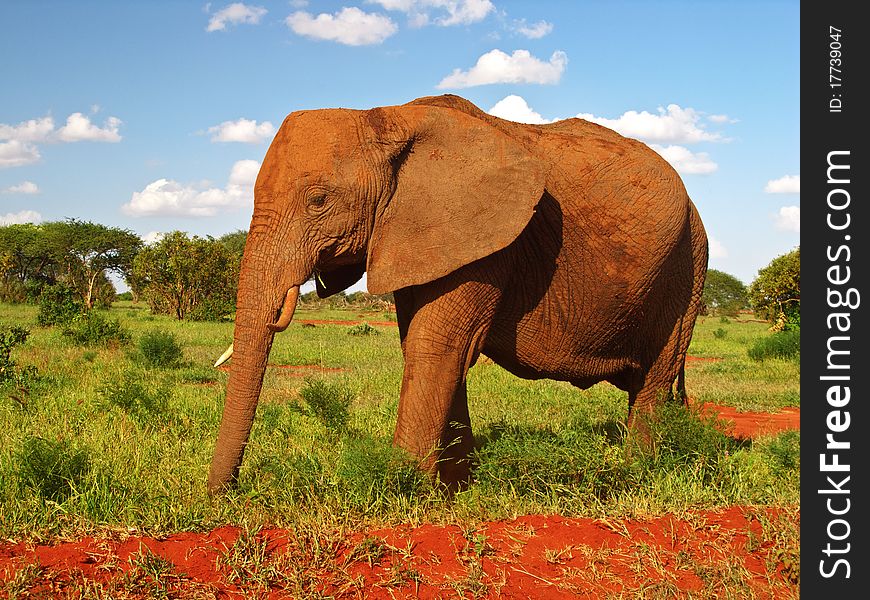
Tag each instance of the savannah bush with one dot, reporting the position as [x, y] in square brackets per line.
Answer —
[372, 473]
[575, 461]
[362, 329]
[95, 329]
[684, 436]
[327, 402]
[781, 344]
[58, 305]
[54, 470]
[10, 373]
[214, 309]
[147, 405]
[160, 348]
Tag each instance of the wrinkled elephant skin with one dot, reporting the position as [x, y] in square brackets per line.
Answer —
[563, 251]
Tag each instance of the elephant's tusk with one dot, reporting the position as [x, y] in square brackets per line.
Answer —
[286, 311]
[225, 356]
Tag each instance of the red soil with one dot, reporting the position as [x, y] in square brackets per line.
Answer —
[341, 322]
[754, 424]
[530, 557]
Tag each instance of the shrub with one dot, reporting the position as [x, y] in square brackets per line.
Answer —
[93, 328]
[329, 403]
[146, 406]
[212, 309]
[363, 329]
[160, 348]
[54, 470]
[58, 305]
[683, 436]
[124, 296]
[372, 471]
[10, 337]
[785, 450]
[720, 333]
[782, 344]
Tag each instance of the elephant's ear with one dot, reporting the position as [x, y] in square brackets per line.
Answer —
[464, 190]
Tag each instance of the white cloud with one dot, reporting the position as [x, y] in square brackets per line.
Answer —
[25, 187]
[534, 31]
[788, 184]
[716, 249]
[685, 161]
[788, 219]
[165, 197]
[722, 119]
[349, 26]
[672, 125]
[16, 154]
[19, 147]
[497, 67]
[33, 130]
[24, 216]
[152, 237]
[450, 12]
[79, 128]
[242, 130]
[515, 108]
[235, 14]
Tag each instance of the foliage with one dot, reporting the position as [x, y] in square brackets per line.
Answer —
[179, 273]
[328, 402]
[234, 242]
[54, 470]
[354, 300]
[544, 447]
[95, 329]
[370, 470]
[684, 436]
[147, 405]
[10, 337]
[86, 251]
[723, 294]
[76, 253]
[775, 294]
[362, 329]
[58, 305]
[25, 263]
[780, 344]
[160, 348]
[212, 308]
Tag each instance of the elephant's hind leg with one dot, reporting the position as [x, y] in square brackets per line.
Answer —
[657, 385]
[445, 332]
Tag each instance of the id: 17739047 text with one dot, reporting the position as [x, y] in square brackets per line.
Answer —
[835, 69]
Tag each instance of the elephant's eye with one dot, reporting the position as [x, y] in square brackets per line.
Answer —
[317, 200]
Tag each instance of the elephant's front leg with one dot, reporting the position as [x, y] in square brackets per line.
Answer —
[442, 335]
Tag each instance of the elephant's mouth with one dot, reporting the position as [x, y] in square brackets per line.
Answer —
[338, 279]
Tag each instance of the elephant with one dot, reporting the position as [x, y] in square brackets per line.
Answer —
[562, 251]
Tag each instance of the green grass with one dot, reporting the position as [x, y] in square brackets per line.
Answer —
[320, 455]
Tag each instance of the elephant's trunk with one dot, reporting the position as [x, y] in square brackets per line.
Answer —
[251, 344]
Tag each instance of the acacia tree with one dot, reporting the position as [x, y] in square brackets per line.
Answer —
[723, 293]
[86, 252]
[776, 292]
[180, 275]
[26, 262]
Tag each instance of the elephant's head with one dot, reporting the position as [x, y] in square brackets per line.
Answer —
[407, 193]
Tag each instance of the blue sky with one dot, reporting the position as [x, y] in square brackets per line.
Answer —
[155, 116]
